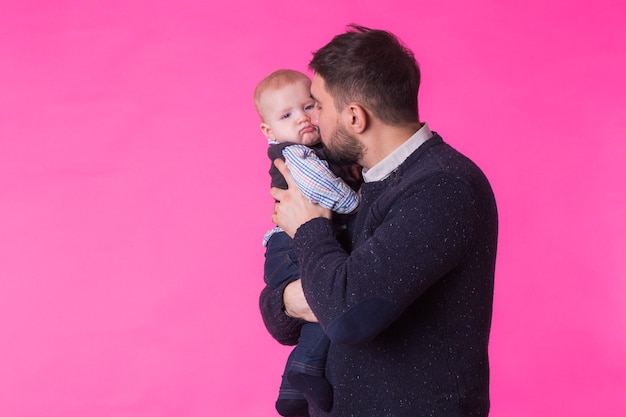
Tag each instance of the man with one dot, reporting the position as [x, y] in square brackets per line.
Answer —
[408, 305]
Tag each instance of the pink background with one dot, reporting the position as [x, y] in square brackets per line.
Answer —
[134, 195]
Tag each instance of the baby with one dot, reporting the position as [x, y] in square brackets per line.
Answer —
[283, 101]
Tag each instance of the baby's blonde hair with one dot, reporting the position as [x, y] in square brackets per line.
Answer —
[276, 80]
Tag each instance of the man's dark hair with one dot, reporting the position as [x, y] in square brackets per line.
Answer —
[373, 68]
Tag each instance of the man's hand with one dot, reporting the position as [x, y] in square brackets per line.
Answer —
[295, 303]
[292, 208]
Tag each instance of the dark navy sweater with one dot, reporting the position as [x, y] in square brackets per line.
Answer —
[408, 309]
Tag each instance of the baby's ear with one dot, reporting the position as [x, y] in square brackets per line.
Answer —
[267, 131]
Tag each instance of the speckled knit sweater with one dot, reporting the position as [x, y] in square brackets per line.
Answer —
[408, 310]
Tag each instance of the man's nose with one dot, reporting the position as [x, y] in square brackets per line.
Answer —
[315, 117]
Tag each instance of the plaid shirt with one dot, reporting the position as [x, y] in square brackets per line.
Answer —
[317, 182]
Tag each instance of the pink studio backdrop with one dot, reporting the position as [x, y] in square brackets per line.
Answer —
[134, 195]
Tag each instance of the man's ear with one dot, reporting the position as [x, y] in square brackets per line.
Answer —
[356, 117]
[267, 131]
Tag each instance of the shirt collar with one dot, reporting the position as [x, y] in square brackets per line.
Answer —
[384, 168]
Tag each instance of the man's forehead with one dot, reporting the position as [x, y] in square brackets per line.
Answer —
[318, 87]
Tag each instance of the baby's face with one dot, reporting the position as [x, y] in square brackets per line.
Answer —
[288, 115]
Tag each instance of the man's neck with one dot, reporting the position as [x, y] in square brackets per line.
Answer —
[382, 140]
[393, 160]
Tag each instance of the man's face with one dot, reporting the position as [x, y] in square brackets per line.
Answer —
[341, 145]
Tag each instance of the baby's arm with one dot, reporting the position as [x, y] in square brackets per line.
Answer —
[317, 182]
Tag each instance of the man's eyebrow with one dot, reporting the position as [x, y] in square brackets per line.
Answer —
[313, 97]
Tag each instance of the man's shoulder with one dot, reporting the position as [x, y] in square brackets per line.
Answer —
[436, 160]
[436, 154]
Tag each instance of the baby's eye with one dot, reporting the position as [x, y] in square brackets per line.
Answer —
[309, 107]
[285, 116]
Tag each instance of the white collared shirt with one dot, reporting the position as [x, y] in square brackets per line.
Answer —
[384, 168]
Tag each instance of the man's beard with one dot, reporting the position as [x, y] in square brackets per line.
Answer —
[343, 148]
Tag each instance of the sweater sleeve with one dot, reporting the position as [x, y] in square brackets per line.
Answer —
[409, 240]
[285, 329]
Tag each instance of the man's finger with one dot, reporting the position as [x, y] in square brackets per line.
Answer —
[277, 193]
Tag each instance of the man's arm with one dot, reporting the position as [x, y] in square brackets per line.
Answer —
[281, 275]
[358, 295]
[284, 311]
[295, 302]
[417, 240]
[285, 329]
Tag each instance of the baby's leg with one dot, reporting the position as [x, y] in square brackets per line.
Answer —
[309, 364]
[291, 402]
